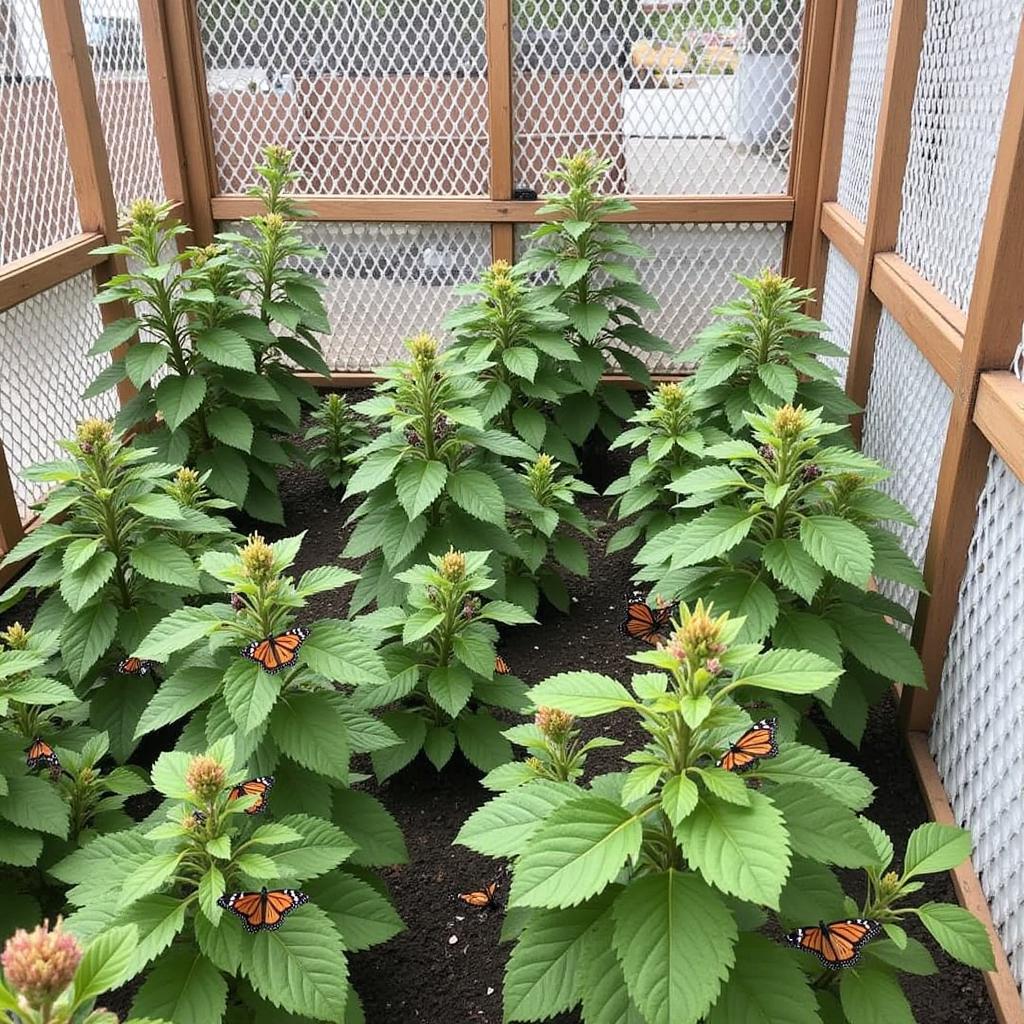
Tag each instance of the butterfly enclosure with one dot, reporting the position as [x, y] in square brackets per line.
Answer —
[512, 510]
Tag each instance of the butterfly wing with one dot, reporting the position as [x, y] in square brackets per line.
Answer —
[41, 755]
[258, 787]
[277, 652]
[501, 666]
[757, 742]
[134, 667]
[481, 898]
[246, 905]
[278, 904]
[836, 945]
[641, 622]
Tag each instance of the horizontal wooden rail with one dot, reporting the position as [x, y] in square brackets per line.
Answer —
[844, 231]
[41, 270]
[933, 323]
[999, 415]
[446, 209]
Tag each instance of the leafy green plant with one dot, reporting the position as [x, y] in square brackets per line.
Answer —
[433, 476]
[443, 665]
[792, 535]
[598, 289]
[335, 434]
[763, 352]
[216, 330]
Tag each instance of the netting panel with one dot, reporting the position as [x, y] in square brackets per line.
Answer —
[43, 371]
[979, 719]
[863, 104]
[37, 195]
[374, 99]
[958, 109]
[122, 91]
[905, 426]
[839, 307]
[682, 101]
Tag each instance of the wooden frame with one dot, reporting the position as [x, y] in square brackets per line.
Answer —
[999, 415]
[31, 275]
[844, 231]
[498, 27]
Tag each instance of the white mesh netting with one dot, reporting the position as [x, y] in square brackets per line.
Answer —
[863, 103]
[958, 109]
[37, 197]
[375, 99]
[838, 307]
[905, 426]
[43, 371]
[979, 719]
[122, 90]
[682, 98]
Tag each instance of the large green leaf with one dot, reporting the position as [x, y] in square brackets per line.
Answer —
[787, 671]
[164, 561]
[178, 397]
[323, 846]
[79, 586]
[798, 763]
[339, 652]
[231, 426]
[822, 828]
[838, 546]
[249, 693]
[157, 919]
[790, 564]
[226, 348]
[480, 739]
[142, 360]
[183, 988]
[368, 824]
[178, 695]
[35, 803]
[478, 494]
[308, 728]
[675, 938]
[812, 893]
[228, 473]
[709, 535]
[451, 686]
[878, 646]
[106, 963]
[581, 693]
[606, 998]
[176, 631]
[363, 917]
[19, 846]
[872, 995]
[933, 847]
[959, 933]
[418, 484]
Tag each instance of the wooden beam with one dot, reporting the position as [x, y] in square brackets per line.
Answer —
[999, 415]
[809, 123]
[844, 231]
[11, 527]
[993, 333]
[1001, 984]
[444, 209]
[885, 198]
[498, 26]
[927, 317]
[30, 275]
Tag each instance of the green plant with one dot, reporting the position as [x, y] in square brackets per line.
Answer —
[541, 532]
[790, 541]
[216, 329]
[763, 351]
[598, 290]
[443, 666]
[336, 433]
[674, 438]
[433, 476]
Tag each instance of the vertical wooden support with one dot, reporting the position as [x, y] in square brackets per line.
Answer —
[991, 338]
[885, 200]
[809, 120]
[73, 81]
[498, 26]
[188, 70]
[831, 142]
[11, 527]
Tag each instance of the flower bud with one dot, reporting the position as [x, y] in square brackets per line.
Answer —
[278, 157]
[186, 488]
[442, 427]
[771, 284]
[700, 634]
[205, 777]
[15, 637]
[143, 213]
[890, 883]
[257, 559]
[237, 602]
[423, 348]
[767, 452]
[553, 722]
[40, 964]
[412, 438]
[788, 422]
[810, 473]
[93, 434]
[713, 665]
[453, 566]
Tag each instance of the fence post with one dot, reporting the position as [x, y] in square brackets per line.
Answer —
[71, 67]
[11, 527]
[498, 29]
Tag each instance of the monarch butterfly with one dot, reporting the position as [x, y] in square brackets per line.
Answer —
[481, 899]
[41, 755]
[501, 666]
[259, 787]
[837, 944]
[277, 652]
[263, 910]
[134, 667]
[757, 742]
[642, 622]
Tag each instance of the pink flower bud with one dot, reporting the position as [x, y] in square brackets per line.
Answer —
[40, 964]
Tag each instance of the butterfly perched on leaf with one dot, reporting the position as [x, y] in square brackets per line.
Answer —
[481, 899]
[134, 667]
[501, 666]
[258, 787]
[277, 652]
[41, 755]
[837, 944]
[642, 622]
[757, 742]
[263, 910]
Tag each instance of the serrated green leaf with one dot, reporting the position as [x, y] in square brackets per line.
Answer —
[308, 728]
[798, 763]
[179, 694]
[226, 348]
[959, 933]
[177, 398]
[105, 964]
[786, 671]
[581, 693]
[933, 847]
[838, 546]
[363, 917]
[231, 426]
[184, 988]
[477, 494]
[789, 563]
[872, 995]
[822, 828]
[249, 693]
[418, 484]
[163, 561]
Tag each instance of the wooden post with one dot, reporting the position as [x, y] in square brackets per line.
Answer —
[808, 124]
[498, 22]
[11, 527]
[885, 200]
[71, 68]
[991, 338]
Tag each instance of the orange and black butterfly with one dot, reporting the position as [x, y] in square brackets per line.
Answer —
[757, 742]
[277, 652]
[837, 944]
[481, 899]
[41, 755]
[501, 666]
[263, 910]
[642, 622]
[134, 667]
[259, 787]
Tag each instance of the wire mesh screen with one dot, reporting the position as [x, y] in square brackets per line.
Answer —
[37, 198]
[122, 90]
[43, 371]
[958, 108]
[374, 99]
[905, 427]
[980, 713]
[863, 103]
[839, 306]
[683, 99]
